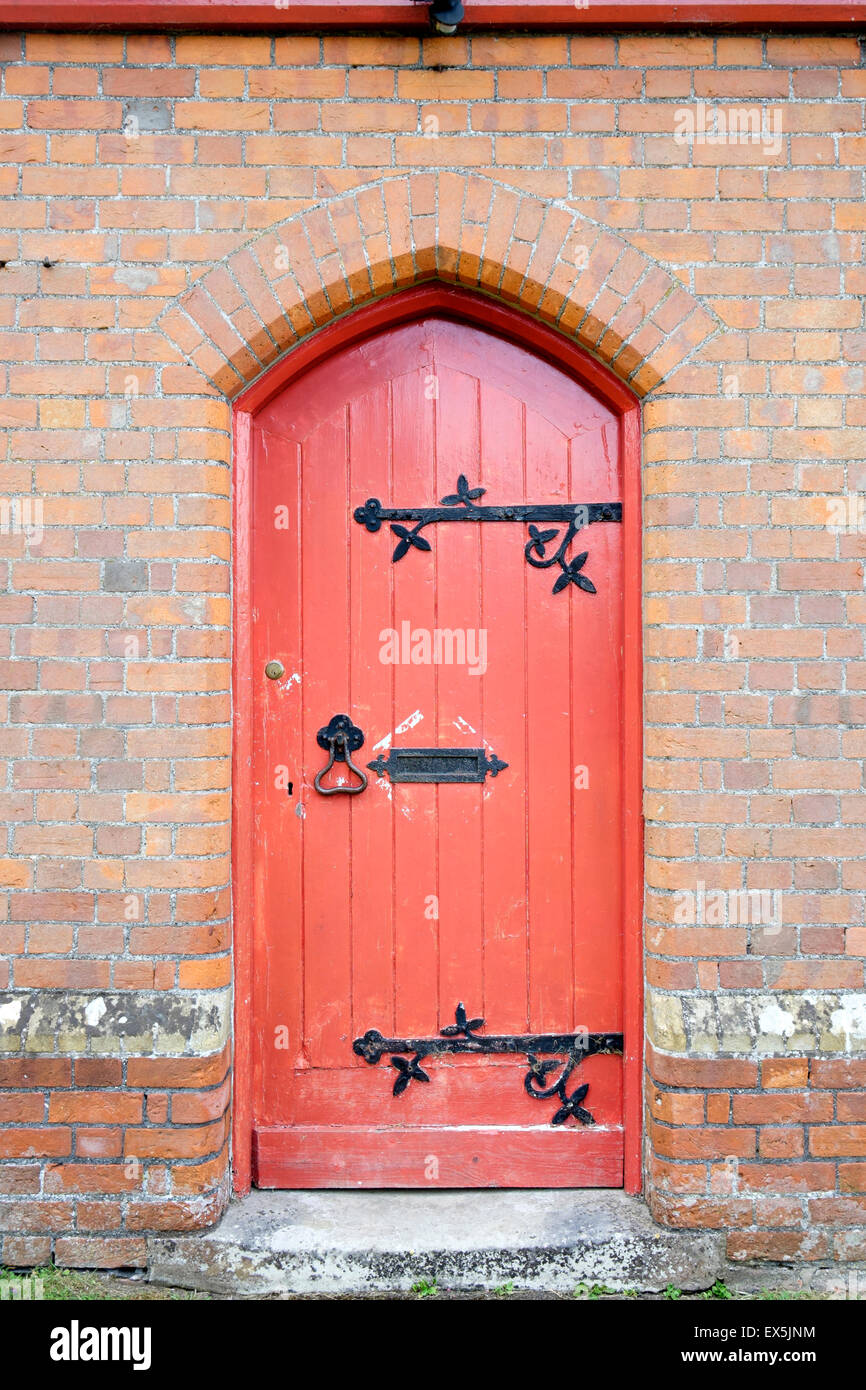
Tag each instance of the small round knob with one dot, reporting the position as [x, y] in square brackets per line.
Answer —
[274, 670]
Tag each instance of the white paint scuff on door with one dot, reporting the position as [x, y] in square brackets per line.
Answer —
[408, 723]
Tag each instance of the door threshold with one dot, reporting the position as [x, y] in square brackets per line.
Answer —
[366, 1243]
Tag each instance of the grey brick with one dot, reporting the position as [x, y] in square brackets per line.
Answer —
[145, 113]
[124, 576]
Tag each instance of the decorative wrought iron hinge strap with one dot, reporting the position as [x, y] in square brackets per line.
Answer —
[462, 1036]
[462, 506]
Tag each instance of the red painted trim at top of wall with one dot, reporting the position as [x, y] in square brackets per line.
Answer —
[413, 14]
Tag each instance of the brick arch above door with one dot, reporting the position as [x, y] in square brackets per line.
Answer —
[564, 274]
[563, 269]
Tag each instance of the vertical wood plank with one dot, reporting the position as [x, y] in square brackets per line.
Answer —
[372, 705]
[459, 719]
[327, 691]
[416, 869]
[504, 580]
[551, 963]
[247, 1060]
[277, 829]
[596, 718]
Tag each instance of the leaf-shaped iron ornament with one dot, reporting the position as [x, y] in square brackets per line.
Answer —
[571, 1106]
[540, 540]
[462, 1027]
[571, 575]
[407, 1071]
[462, 505]
[568, 1049]
[408, 539]
[464, 496]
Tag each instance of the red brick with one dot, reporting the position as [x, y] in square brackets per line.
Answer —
[95, 1107]
[35, 1143]
[93, 1252]
[177, 1071]
[777, 1245]
[25, 1252]
[842, 1141]
[171, 1216]
[193, 1142]
[704, 1143]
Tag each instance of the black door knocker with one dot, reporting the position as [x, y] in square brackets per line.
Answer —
[340, 739]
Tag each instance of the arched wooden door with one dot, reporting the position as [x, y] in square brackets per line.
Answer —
[437, 558]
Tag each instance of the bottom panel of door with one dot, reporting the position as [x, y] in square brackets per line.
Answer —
[341, 1156]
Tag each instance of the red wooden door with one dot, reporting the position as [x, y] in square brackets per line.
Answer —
[385, 910]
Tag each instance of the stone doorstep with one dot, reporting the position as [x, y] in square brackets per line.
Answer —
[364, 1242]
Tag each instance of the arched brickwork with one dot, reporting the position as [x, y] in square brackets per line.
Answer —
[536, 254]
[469, 230]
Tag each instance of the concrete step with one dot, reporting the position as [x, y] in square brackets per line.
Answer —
[384, 1242]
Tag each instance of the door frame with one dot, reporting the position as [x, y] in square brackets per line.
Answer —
[404, 306]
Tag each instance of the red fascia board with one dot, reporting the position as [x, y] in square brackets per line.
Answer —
[249, 15]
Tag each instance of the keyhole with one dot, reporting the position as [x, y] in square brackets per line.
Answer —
[289, 790]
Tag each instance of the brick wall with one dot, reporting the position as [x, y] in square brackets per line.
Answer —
[178, 212]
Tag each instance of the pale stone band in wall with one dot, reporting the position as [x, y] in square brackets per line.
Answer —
[756, 1023]
[116, 1023]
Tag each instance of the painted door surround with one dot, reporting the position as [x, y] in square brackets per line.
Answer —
[464, 322]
